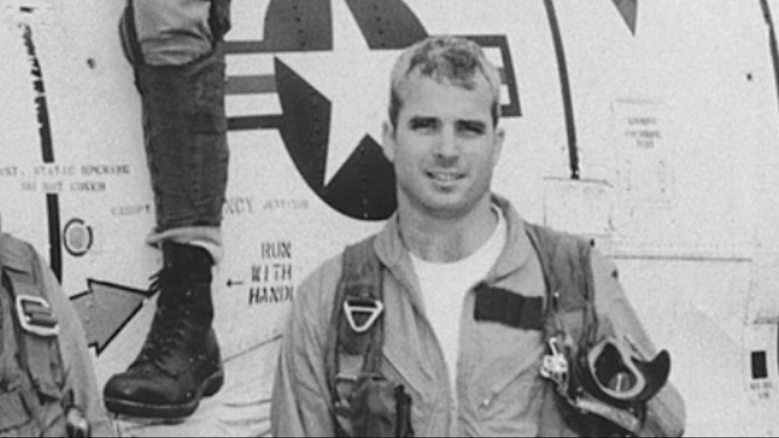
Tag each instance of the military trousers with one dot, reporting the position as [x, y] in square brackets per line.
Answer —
[175, 47]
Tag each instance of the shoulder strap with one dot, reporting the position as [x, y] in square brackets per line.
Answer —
[567, 269]
[570, 310]
[357, 323]
[38, 335]
[566, 262]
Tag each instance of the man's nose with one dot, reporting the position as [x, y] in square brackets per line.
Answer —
[447, 145]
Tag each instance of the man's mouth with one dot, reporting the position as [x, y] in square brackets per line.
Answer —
[445, 177]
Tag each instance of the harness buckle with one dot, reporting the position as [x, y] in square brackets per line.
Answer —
[344, 387]
[36, 317]
[555, 366]
[77, 423]
[362, 306]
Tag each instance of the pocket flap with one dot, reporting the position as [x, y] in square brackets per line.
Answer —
[13, 411]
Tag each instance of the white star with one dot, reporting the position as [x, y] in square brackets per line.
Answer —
[354, 79]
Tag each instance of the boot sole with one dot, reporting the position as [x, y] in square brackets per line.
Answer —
[210, 386]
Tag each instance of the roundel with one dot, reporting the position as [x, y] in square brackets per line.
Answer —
[328, 57]
[77, 237]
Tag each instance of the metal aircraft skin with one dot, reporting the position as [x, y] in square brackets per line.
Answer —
[651, 127]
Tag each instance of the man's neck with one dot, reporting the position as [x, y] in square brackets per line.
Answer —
[446, 240]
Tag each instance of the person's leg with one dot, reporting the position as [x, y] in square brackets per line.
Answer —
[176, 49]
[172, 32]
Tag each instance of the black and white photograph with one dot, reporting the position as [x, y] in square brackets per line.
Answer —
[389, 218]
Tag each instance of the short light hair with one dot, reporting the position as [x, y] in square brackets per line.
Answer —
[445, 59]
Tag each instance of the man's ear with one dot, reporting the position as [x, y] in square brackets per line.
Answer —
[500, 137]
[388, 141]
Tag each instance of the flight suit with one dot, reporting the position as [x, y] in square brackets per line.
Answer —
[47, 379]
[500, 390]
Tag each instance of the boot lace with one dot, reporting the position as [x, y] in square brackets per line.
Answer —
[169, 328]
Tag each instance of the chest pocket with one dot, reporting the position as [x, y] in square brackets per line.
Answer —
[23, 415]
[421, 409]
[508, 386]
[15, 419]
[507, 335]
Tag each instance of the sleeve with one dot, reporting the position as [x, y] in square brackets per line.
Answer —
[665, 411]
[301, 403]
[80, 380]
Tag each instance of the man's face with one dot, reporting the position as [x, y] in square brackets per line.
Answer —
[444, 147]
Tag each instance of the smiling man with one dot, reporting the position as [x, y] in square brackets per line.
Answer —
[459, 318]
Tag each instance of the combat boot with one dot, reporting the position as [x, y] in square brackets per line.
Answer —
[179, 362]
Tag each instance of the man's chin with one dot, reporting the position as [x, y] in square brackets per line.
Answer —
[447, 208]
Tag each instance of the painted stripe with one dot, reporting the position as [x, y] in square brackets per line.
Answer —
[772, 40]
[264, 84]
[248, 123]
[573, 149]
[55, 240]
[44, 124]
[244, 47]
[47, 150]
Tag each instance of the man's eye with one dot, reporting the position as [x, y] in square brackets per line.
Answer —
[471, 128]
[424, 125]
